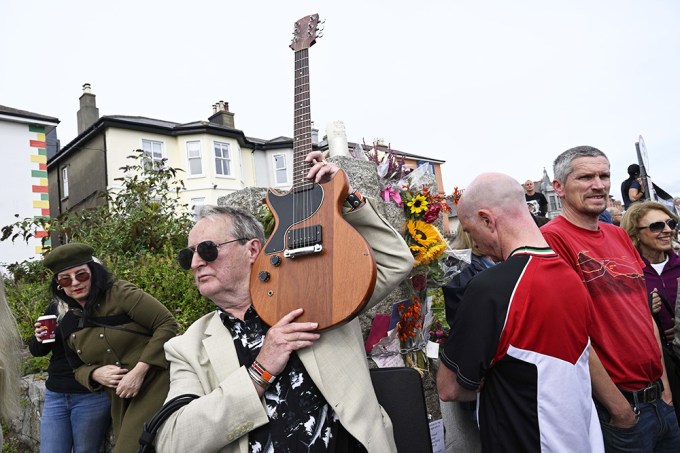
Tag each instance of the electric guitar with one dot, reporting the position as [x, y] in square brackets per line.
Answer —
[313, 259]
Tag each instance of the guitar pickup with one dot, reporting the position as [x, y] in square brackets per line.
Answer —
[304, 237]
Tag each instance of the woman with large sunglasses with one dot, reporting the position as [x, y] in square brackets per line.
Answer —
[114, 333]
[652, 228]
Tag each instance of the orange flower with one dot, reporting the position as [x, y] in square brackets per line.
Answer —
[410, 320]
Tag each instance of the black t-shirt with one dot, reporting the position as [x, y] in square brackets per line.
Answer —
[539, 199]
[625, 187]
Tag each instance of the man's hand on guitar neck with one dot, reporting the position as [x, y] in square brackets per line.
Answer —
[322, 171]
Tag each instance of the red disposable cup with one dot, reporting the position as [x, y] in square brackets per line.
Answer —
[50, 324]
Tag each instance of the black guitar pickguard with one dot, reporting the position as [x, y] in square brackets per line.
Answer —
[292, 209]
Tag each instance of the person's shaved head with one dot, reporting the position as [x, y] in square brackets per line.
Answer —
[493, 210]
[494, 191]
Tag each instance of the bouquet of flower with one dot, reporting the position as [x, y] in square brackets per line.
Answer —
[422, 207]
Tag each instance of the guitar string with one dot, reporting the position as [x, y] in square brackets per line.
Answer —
[304, 133]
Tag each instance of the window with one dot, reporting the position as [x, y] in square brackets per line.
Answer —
[153, 154]
[280, 168]
[222, 159]
[554, 205]
[194, 158]
[64, 182]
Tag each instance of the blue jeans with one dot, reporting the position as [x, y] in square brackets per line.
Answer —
[656, 430]
[74, 420]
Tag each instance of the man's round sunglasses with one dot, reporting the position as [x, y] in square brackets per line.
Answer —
[658, 227]
[67, 281]
[207, 250]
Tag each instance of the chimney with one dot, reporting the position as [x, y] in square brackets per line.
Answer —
[222, 116]
[88, 113]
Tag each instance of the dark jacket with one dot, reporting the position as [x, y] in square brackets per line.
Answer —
[453, 291]
[666, 284]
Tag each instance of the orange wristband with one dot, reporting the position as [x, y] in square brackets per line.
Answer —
[262, 372]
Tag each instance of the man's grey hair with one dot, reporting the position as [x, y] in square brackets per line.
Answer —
[562, 167]
[243, 224]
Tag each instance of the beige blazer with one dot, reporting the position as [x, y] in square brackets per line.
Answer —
[203, 361]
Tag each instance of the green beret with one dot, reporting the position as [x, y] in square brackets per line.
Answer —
[67, 256]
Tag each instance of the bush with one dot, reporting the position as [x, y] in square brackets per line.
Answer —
[35, 365]
[28, 301]
[135, 232]
[159, 274]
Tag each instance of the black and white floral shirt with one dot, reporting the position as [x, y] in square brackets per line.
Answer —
[300, 419]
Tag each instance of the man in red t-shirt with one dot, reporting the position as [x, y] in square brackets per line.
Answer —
[629, 381]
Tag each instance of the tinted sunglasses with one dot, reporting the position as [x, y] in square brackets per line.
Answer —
[207, 250]
[658, 227]
[67, 281]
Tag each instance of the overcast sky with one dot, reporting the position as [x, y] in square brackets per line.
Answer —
[485, 85]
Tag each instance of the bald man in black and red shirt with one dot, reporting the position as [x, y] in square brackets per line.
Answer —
[520, 337]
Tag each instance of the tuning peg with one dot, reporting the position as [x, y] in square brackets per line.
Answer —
[319, 34]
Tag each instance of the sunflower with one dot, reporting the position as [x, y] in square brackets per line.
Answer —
[427, 242]
[430, 254]
[417, 204]
[423, 233]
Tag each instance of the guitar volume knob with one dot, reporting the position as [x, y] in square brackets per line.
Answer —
[263, 276]
[275, 260]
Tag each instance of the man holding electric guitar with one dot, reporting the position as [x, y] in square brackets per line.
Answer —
[288, 387]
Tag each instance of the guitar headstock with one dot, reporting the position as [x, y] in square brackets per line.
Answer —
[305, 33]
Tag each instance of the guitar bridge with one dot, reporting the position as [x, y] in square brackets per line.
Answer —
[303, 241]
[317, 248]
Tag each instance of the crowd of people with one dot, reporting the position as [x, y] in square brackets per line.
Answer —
[563, 333]
[582, 359]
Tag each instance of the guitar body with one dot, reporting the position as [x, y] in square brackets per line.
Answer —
[334, 280]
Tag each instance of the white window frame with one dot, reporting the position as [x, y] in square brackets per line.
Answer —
[193, 158]
[157, 156]
[222, 159]
[64, 182]
[280, 170]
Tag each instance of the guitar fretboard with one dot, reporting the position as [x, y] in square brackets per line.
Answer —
[302, 123]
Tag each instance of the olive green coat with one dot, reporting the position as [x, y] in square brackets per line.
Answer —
[99, 346]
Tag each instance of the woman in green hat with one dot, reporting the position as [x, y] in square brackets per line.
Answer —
[115, 334]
